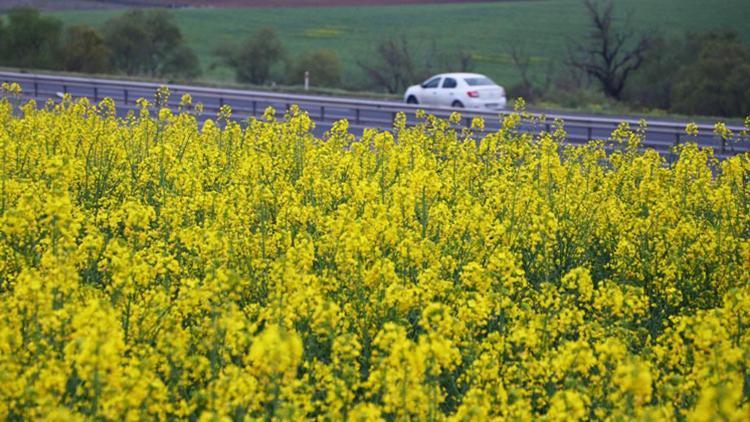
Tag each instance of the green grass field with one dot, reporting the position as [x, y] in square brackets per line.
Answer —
[542, 27]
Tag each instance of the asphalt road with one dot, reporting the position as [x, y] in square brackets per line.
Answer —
[660, 135]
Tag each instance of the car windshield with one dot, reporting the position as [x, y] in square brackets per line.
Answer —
[432, 83]
[479, 81]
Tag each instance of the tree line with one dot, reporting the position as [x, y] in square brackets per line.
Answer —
[149, 43]
[138, 42]
[697, 73]
[704, 73]
[393, 65]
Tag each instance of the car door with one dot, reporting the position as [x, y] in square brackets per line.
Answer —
[430, 91]
[447, 93]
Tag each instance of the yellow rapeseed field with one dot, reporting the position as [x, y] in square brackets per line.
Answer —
[156, 268]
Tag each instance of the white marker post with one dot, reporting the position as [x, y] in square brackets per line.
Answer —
[307, 80]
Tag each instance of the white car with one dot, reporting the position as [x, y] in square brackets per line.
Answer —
[458, 90]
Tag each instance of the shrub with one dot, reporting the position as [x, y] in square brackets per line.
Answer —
[324, 68]
[30, 40]
[652, 85]
[718, 81]
[149, 43]
[85, 51]
[253, 60]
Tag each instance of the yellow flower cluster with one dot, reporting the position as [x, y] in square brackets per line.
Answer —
[155, 267]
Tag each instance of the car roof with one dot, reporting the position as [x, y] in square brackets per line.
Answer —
[460, 75]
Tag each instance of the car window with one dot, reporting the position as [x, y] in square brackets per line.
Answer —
[432, 83]
[480, 81]
[449, 83]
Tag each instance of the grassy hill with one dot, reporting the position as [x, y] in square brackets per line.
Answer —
[542, 27]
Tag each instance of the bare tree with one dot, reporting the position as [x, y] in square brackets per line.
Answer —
[522, 61]
[531, 86]
[456, 59]
[608, 54]
[394, 66]
[464, 59]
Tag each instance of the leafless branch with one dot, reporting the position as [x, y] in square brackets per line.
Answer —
[609, 54]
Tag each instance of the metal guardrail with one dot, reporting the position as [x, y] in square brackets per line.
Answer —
[661, 135]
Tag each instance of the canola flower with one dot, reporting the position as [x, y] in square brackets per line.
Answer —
[155, 268]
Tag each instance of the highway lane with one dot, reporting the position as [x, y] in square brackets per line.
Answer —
[660, 135]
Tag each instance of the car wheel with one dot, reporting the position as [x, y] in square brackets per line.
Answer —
[412, 100]
[457, 104]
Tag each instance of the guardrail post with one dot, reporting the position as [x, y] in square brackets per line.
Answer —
[221, 102]
[255, 108]
[36, 89]
[322, 112]
[590, 130]
[125, 94]
[96, 94]
[356, 114]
